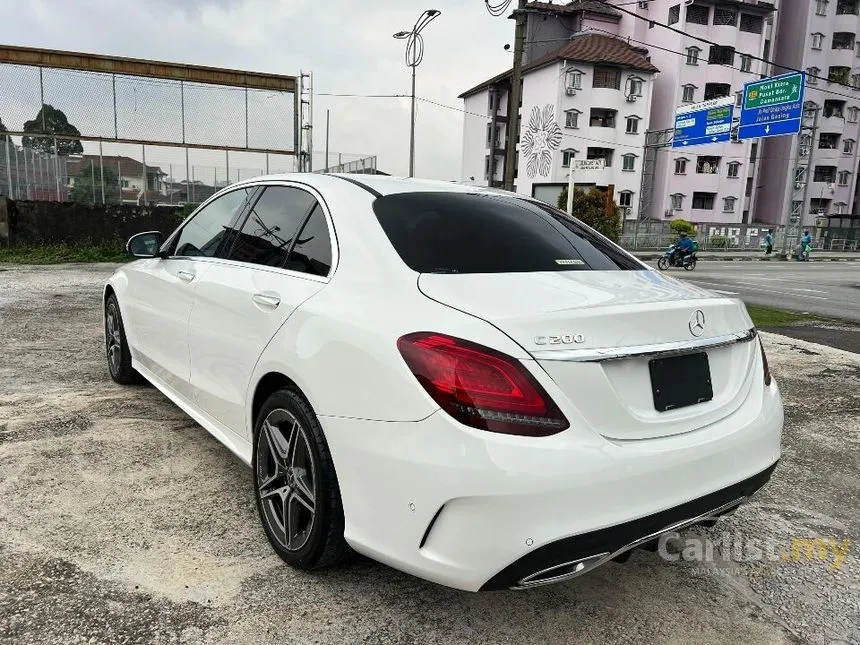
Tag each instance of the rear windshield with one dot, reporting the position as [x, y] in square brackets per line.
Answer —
[474, 233]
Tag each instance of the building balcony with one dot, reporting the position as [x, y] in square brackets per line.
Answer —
[841, 57]
[845, 22]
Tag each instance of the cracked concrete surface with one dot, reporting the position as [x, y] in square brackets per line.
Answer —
[122, 521]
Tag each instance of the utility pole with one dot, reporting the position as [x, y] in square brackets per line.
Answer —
[326, 139]
[513, 129]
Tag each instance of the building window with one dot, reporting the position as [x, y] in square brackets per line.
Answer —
[698, 15]
[633, 125]
[602, 118]
[717, 90]
[828, 141]
[805, 144]
[834, 109]
[839, 74]
[625, 198]
[486, 167]
[573, 79]
[677, 202]
[846, 7]
[566, 156]
[635, 87]
[628, 163]
[855, 81]
[843, 40]
[704, 201]
[643, 4]
[753, 152]
[729, 204]
[707, 165]
[601, 153]
[571, 119]
[825, 174]
[817, 41]
[848, 146]
[725, 17]
[739, 98]
[844, 177]
[812, 75]
[689, 93]
[853, 114]
[734, 169]
[821, 7]
[491, 106]
[749, 187]
[840, 208]
[608, 77]
[693, 55]
[746, 63]
[680, 166]
[721, 55]
[674, 14]
[494, 141]
[752, 24]
[124, 183]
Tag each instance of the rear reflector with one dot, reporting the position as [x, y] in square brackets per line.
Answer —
[479, 386]
[767, 376]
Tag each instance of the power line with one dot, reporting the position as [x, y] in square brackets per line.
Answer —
[498, 8]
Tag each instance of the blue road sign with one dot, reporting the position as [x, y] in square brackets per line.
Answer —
[706, 122]
[772, 107]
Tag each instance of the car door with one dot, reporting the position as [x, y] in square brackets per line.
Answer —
[240, 303]
[161, 290]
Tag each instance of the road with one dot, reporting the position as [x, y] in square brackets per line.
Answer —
[828, 289]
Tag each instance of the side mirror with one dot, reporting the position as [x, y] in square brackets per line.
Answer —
[145, 245]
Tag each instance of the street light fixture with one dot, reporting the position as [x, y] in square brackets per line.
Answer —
[414, 56]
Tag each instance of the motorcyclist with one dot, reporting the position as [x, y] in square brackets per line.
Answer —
[683, 248]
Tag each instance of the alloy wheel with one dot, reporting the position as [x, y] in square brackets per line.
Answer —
[286, 479]
[113, 338]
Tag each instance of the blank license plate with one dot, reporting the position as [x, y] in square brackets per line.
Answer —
[680, 381]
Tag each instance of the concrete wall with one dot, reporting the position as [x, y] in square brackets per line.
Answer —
[23, 222]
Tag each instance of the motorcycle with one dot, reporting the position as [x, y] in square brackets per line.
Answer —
[688, 262]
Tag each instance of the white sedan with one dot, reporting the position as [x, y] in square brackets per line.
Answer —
[465, 384]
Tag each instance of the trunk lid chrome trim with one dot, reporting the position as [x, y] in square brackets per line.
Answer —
[599, 355]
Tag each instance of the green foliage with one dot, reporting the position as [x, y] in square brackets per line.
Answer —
[51, 121]
[764, 317]
[682, 226]
[3, 129]
[185, 211]
[89, 184]
[64, 252]
[590, 208]
[718, 242]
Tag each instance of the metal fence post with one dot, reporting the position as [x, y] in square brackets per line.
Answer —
[102, 171]
[8, 169]
[56, 163]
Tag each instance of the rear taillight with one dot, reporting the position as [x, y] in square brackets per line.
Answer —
[767, 376]
[481, 387]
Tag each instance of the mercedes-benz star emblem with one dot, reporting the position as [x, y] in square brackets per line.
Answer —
[697, 323]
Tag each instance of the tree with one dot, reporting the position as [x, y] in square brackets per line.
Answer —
[3, 129]
[682, 226]
[53, 122]
[590, 208]
[89, 184]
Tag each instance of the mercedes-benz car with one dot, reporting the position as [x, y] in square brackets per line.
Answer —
[463, 383]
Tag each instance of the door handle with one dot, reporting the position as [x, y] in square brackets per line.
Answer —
[266, 300]
[186, 276]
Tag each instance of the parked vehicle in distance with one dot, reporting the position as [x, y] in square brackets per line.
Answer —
[465, 384]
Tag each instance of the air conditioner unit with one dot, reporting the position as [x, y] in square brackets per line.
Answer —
[570, 91]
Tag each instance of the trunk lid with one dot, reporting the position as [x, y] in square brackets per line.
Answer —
[557, 315]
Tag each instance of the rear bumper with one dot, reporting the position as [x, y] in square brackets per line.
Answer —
[475, 510]
[579, 554]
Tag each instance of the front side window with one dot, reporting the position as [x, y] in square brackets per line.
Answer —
[456, 233]
[271, 225]
[210, 232]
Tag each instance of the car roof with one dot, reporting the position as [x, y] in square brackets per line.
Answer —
[379, 184]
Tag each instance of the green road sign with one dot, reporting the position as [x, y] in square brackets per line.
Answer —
[774, 91]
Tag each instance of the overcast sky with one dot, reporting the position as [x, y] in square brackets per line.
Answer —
[347, 44]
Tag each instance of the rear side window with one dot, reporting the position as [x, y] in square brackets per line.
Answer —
[472, 233]
[271, 225]
[312, 252]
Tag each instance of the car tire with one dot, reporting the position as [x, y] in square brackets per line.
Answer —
[663, 264]
[116, 346]
[295, 484]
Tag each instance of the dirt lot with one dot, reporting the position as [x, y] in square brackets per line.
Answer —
[122, 521]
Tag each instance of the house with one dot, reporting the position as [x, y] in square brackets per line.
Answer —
[588, 99]
[130, 176]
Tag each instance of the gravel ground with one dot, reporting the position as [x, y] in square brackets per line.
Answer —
[124, 522]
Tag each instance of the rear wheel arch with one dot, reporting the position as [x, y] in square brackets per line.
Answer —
[268, 384]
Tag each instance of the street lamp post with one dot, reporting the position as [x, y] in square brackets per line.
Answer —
[414, 56]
